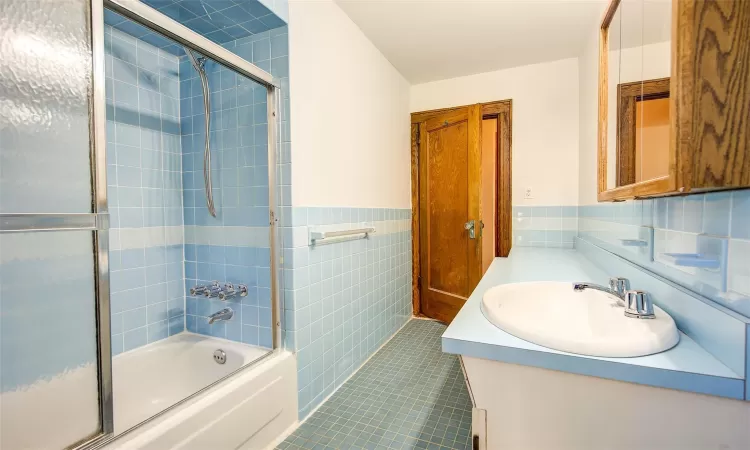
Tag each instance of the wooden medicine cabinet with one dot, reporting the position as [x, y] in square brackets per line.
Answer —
[674, 97]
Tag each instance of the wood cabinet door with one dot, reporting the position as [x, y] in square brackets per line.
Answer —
[449, 199]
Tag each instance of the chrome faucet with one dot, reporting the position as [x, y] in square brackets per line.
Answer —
[211, 290]
[224, 314]
[216, 290]
[637, 303]
[229, 291]
[617, 287]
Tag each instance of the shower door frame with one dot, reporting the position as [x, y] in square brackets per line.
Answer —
[96, 221]
[99, 220]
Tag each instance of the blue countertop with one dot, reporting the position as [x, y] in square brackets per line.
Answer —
[687, 366]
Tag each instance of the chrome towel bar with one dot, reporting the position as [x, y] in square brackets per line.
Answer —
[321, 237]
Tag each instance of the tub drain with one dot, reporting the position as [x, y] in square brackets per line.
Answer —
[220, 357]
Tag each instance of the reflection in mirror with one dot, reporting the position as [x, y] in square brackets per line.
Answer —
[652, 109]
[639, 108]
[613, 80]
[652, 150]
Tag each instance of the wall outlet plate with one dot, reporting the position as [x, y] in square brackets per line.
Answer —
[528, 193]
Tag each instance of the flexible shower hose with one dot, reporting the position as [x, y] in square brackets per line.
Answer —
[199, 65]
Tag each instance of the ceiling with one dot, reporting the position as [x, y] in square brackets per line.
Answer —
[429, 40]
[221, 21]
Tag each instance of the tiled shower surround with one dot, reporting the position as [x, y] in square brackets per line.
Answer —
[144, 190]
[715, 226]
[234, 246]
[163, 239]
[343, 300]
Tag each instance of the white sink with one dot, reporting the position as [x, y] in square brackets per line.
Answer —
[589, 322]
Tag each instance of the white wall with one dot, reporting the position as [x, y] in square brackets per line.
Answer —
[349, 114]
[589, 117]
[545, 123]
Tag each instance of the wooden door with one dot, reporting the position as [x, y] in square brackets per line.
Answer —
[449, 199]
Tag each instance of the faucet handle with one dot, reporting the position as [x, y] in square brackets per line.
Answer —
[638, 305]
[212, 291]
[228, 292]
[197, 290]
[619, 285]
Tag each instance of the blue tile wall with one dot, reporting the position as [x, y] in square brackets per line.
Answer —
[715, 226]
[249, 266]
[343, 300]
[239, 148]
[155, 153]
[545, 226]
[145, 191]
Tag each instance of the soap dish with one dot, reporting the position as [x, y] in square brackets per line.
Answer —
[692, 260]
[633, 243]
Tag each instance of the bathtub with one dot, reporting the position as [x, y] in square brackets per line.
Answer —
[248, 410]
[152, 378]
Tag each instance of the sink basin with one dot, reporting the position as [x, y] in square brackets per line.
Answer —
[590, 322]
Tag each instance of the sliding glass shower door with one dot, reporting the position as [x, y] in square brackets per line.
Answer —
[53, 367]
[106, 128]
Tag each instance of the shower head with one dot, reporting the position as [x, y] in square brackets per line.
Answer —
[199, 62]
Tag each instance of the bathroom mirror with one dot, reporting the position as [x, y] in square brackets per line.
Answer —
[669, 98]
[638, 92]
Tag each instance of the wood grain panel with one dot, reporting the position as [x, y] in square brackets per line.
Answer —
[474, 183]
[712, 91]
[415, 269]
[432, 301]
[447, 119]
[423, 116]
[657, 186]
[424, 254]
[448, 202]
[504, 179]
[495, 108]
[601, 135]
[626, 137]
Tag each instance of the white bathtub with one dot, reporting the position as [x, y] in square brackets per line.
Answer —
[152, 378]
[248, 410]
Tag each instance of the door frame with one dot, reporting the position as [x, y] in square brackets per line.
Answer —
[502, 110]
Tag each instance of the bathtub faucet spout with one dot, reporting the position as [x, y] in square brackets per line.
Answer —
[224, 314]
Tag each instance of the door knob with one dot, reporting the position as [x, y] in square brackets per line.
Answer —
[470, 226]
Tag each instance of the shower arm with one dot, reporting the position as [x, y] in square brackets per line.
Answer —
[199, 65]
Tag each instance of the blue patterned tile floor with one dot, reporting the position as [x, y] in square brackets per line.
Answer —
[408, 395]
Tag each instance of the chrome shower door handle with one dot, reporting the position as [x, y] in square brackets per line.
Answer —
[471, 227]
